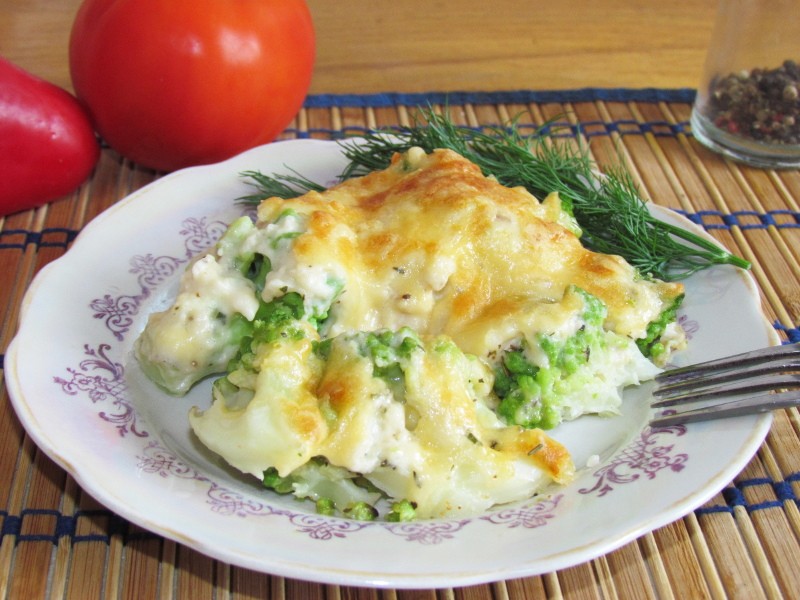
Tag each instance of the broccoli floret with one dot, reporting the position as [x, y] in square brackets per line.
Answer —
[651, 345]
[574, 352]
[525, 405]
[275, 320]
[516, 363]
[233, 249]
[258, 270]
[389, 347]
[273, 481]
[389, 351]
[362, 511]
[334, 490]
[326, 506]
[402, 511]
[319, 313]
[285, 235]
[229, 246]
[529, 392]
[322, 348]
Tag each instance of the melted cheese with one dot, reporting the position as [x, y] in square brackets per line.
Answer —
[190, 340]
[440, 447]
[432, 244]
[281, 426]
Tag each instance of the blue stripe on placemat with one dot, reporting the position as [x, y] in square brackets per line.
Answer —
[792, 333]
[391, 99]
[744, 219]
[735, 496]
[52, 237]
[460, 98]
[556, 129]
[66, 526]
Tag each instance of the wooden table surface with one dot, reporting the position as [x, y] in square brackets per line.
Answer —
[423, 45]
[623, 71]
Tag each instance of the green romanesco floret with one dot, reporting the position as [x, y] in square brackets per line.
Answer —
[273, 481]
[274, 320]
[250, 250]
[571, 354]
[522, 388]
[233, 247]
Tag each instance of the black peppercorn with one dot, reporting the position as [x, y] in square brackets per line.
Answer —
[761, 104]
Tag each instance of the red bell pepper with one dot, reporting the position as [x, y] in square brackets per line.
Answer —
[47, 144]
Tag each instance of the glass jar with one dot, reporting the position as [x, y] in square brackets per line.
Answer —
[748, 101]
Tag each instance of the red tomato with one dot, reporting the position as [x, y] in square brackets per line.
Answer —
[174, 83]
[47, 144]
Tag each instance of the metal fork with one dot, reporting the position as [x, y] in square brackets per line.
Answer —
[753, 382]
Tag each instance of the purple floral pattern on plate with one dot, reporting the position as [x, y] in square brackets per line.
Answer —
[101, 379]
[645, 457]
[529, 516]
[428, 532]
[690, 326]
[322, 528]
[156, 459]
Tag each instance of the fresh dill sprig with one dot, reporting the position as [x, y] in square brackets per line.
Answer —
[277, 186]
[607, 206]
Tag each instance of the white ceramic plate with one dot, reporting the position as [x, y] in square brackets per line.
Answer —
[83, 400]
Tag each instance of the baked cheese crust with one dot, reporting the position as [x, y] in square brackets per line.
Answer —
[432, 244]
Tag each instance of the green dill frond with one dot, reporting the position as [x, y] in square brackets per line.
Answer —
[277, 186]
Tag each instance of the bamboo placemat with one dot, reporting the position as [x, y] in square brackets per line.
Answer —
[57, 542]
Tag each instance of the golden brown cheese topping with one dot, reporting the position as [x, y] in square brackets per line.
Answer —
[440, 447]
[433, 244]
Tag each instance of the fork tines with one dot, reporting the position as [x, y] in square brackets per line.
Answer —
[716, 387]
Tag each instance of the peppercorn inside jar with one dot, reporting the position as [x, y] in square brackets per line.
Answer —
[748, 104]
